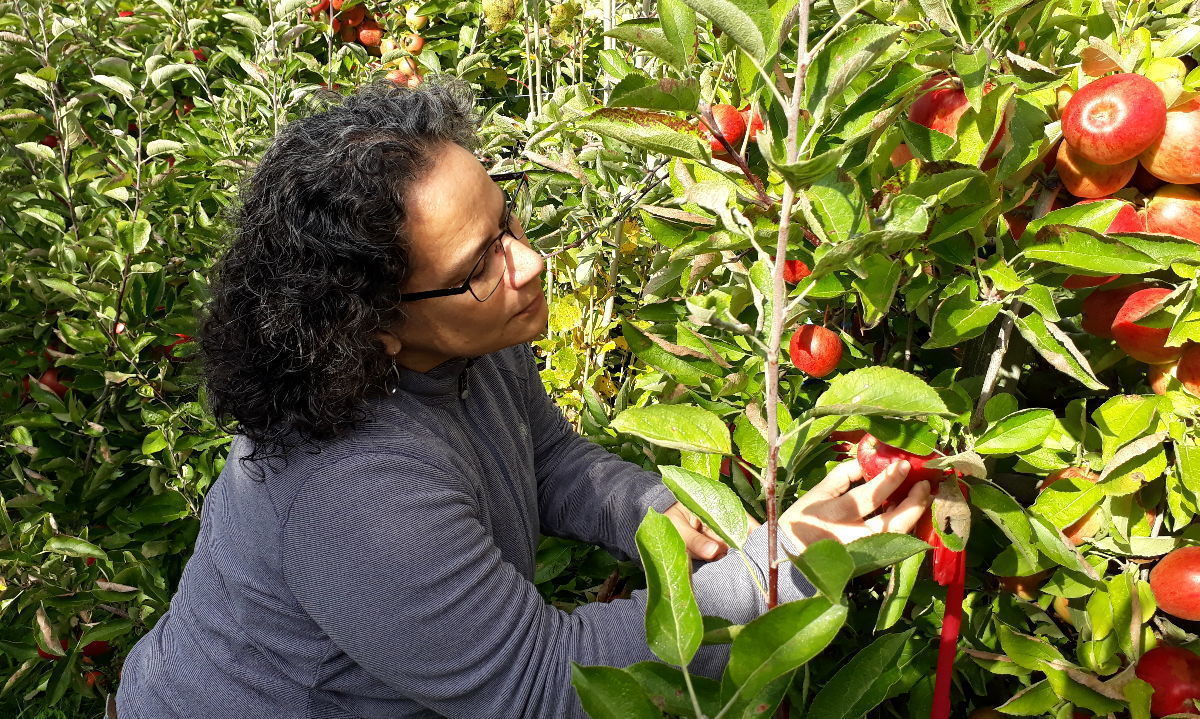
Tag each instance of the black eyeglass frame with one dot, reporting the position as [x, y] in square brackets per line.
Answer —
[466, 285]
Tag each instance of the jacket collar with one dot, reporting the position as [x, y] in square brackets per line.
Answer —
[445, 380]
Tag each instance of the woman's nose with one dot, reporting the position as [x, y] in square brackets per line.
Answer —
[524, 263]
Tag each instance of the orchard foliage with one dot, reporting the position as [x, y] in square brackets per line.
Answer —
[905, 154]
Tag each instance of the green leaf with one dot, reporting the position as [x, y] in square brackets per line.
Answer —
[925, 143]
[662, 684]
[611, 693]
[1026, 651]
[1007, 514]
[939, 12]
[972, 69]
[977, 129]
[803, 173]
[679, 426]
[828, 565]
[161, 508]
[713, 502]
[73, 547]
[688, 371]
[673, 623]
[649, 35]
[1019, 431]
[1079, 250]
[154, 442]
[863, 682]
[134, 236]
[1067, 499]
[1057, 348]
[637, 90]
[778, 642]
[878, 288]
[900, 587]
[843, 60]
[652, 131]
[1036, 700]
[960, 317]
[106, 631]
[678, 23]
[162, 147]
[748, 23]
[117, 84]
[881, 550]
[880, 391]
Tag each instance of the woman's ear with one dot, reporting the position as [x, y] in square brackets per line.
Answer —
[391, 343]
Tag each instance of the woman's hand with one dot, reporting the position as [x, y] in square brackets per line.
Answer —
[834, 510]
[701, 542]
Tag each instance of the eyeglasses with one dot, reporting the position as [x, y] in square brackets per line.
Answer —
[489, 269]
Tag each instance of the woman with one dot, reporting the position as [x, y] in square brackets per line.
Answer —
[368, 550]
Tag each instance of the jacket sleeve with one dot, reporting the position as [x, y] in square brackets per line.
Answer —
[584, 491]
[389, 558]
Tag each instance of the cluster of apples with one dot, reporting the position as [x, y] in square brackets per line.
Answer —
[1115, 314]
[1174, 672]
[1117, 122]
[1118, 135]
[355, 23]
[732, 124]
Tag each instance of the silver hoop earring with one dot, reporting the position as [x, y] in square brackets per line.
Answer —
[395, 371]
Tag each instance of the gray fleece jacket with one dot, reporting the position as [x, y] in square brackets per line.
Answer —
[390, 575]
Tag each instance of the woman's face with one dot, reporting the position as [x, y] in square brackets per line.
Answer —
[452, 216]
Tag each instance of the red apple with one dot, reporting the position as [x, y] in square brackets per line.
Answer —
[1157, 374]
[1144, 344]
[412, 43]
[1188, 370]
[1100, 309]
[1175, 210]
[1176, 583]
[1026, 587]
[95, 649]
[941, 109]
[1089, 524]
[1175, 675]
[1127, 220]
[874, 456]
[1174, 156]
[397, 76]
[900, 156]
[198, 53]
[815, 350]
[369, 33]
[1114, 119]
[729, 124]
[753, 123]
[49, 380]
[354, 16]
[1084, 178]
[49, 141]
[124, 13]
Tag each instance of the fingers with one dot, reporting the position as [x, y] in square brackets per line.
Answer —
[867, 497]
[703, 546]
[904, 516]
[838, 480]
